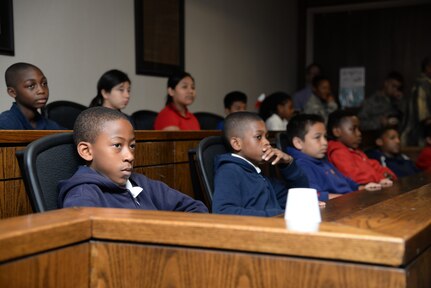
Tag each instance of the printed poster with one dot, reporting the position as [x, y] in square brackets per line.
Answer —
[352, 86]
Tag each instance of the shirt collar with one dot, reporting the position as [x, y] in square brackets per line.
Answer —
[174, 108]
[135, 190]
[258, 170]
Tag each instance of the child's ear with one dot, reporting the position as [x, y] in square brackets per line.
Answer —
[235, 143]
[170, 91]
[84, 150]
[298, 143]
[104, 94]
[11, 91]
[336, 131]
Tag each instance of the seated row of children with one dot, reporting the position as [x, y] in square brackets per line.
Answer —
[333, 167]
[28, 86]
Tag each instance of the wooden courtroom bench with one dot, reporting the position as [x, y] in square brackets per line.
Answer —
[383, 242]
[160, 155]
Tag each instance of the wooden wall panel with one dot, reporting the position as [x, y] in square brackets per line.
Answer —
[419, 271]
[182, 149]
[176, 176]
[154, 153]
[183, 180]
[13, 199]
[9, 165]
[164, 173]
[179, 267]
[381, 40]
[66, 267]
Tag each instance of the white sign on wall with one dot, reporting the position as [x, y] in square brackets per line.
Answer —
[352, 86]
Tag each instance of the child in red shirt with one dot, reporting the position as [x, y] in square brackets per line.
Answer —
[344, 152]
[424, 159]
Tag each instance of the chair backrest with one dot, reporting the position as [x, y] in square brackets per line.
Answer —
[281, 141]
[144, 119]
[207, 149]
[43, 163]
[64, 112]
[207, 120]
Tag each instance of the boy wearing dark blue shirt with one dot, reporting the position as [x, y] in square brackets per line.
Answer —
[29, 87]
[388, 153]
[106, 141]
[239, 187]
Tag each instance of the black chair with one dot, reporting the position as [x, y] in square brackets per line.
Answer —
[281, 141]
[207, 149]
[208, 121]
[144, 119]
[64, 112]
[43, 163]
[196, 183]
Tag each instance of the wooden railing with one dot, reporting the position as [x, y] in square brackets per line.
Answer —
[366, 239]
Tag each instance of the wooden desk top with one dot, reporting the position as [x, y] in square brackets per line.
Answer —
[388, 227]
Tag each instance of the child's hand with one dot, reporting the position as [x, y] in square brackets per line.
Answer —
[372, 186]
[276, 156]
[333, 195]
[386, 182]
[322, 204]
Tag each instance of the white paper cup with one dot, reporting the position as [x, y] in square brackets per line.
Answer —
[302, 210]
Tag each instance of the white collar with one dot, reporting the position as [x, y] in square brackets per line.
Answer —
[255, 167]
[135, 190]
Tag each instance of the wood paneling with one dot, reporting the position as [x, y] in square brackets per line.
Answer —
[65, 267]
[381, 40]
[154, 153]
[13, 199]
[36, 233]
[419, 272]
[178, 267]
[379, 244]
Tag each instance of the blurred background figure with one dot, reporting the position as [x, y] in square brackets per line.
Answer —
[383, 108]
[233, 102]
[301, 97]
[418, 106]
[276, 110]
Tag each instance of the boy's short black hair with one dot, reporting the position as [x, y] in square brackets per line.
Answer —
[317, 79]
[235, 123]
[91, 121]
[232, 97]
[299, 125]
[13, 71]
[380, 132]
[395, 75]
[336, 118]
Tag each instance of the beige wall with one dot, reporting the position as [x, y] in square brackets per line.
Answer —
[230, 45]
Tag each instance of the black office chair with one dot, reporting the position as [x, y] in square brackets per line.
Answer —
[64, 112]
[281, 141]
[144, 119]
[207, 120]
[43, 163]
[207, 149]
